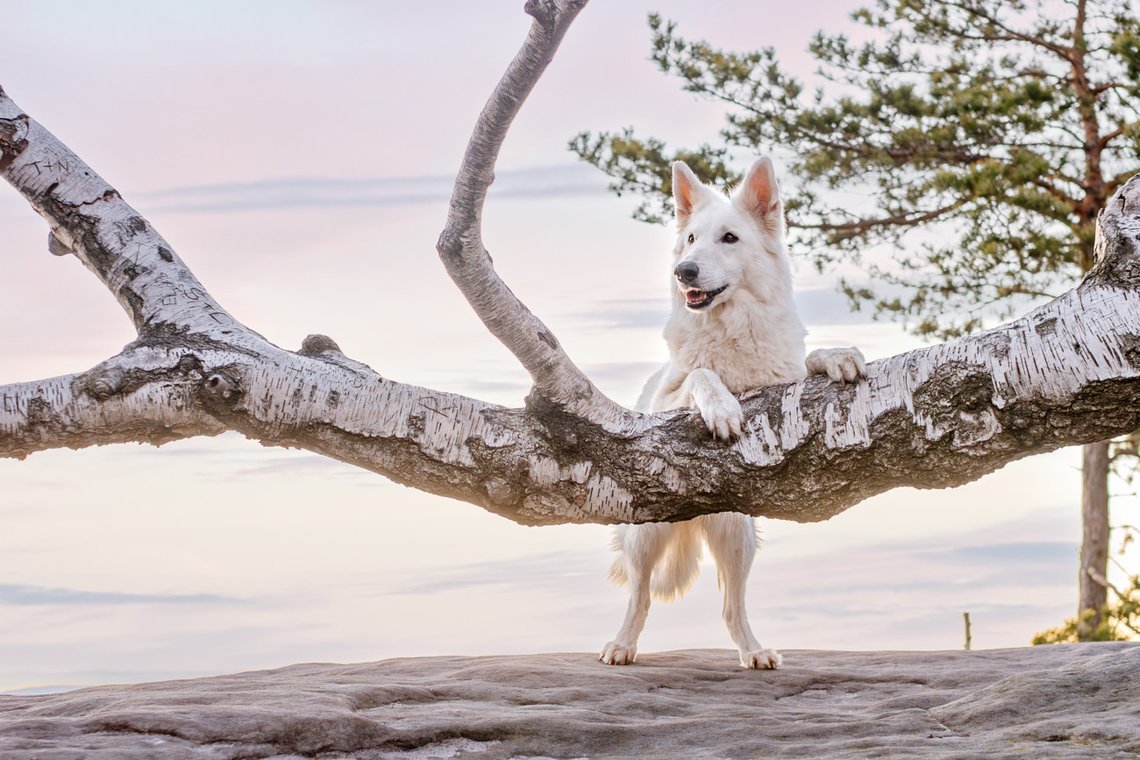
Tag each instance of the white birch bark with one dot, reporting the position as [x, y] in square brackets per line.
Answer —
[1068, 373]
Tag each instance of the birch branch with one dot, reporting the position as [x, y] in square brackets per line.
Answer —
[89, 218]
[1065, 374]
[460, 245]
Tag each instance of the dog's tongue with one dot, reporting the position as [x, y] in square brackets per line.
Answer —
[694, 296]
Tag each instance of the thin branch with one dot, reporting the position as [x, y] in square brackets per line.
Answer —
[1103, 88]
[1103, 582]
[851, 229]
[460, 246]
[1004, 292]
[1114, 185]
[1011, 35]
[1110, 136]
[1054, 192]
[89, 218]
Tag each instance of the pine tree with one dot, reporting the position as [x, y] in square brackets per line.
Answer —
[997, 128]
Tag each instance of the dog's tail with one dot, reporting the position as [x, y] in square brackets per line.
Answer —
[678, 567]
[675, 571]
[618, 573]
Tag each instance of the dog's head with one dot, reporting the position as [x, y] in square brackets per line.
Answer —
[728, 246]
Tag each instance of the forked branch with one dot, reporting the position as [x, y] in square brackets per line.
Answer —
[1065, 374]
[556, 378]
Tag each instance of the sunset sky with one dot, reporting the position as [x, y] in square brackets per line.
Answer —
[299, 157]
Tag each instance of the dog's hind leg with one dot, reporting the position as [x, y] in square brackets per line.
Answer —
[732, 542]
[641, 547]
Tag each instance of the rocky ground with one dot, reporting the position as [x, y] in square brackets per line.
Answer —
[1070, 701]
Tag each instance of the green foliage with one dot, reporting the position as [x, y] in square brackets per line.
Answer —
[1118, 622]
[997, 127]
[635, 165]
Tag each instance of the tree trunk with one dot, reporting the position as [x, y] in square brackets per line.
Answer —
[1094, 465]
[1067, 373]
[1094, 545]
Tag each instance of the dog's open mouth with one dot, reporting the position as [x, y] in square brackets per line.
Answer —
[700, 299]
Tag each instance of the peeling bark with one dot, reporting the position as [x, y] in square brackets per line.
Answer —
[1068, 373]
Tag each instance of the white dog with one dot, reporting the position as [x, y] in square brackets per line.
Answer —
[733, 327]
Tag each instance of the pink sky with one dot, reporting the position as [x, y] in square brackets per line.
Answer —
[297, 155]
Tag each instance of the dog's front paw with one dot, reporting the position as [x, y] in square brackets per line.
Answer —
[723, 417]
[842, 365]
[761, 659]
[616, 653]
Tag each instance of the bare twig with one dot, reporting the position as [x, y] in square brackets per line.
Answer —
[460, 246]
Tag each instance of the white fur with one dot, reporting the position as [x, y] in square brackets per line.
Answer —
[749, 336]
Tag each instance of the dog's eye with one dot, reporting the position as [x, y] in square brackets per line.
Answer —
[728, 237]
[692, 237]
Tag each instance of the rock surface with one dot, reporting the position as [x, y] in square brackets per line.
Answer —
[1068, 701]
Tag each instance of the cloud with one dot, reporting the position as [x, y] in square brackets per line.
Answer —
[40, 595]
[827, 306]
[39, 691]
[510, 388]
[334, 192]
[634, 313]
[1022, 554]
[291, 465]
[560, 572]
[929, 571]
[809, 579]
[621, 373]
[817, 306]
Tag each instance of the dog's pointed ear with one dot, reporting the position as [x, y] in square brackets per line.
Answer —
[688, 191]
[759, 194]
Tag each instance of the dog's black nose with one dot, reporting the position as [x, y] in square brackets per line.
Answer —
[687, 272]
